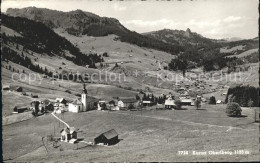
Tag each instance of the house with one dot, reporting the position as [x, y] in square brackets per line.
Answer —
[101, 105]
[112, 103]
[147, 103]
[120, 104]
[169, 103]
[186, 101]
[107, 138]
[219, 102]
[76, 106]
[61, 100]
[68, 133]
[128, 101]
[20, 109]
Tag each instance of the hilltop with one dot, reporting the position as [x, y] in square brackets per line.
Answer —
[79, 23]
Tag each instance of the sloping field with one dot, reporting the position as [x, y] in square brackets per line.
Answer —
[145, 136]
[244, 54]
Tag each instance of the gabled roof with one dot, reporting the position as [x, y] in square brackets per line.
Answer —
[110, 134]
[146, 102]
[128, 100]
[77, 102]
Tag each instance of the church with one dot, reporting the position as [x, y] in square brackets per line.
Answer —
[82, 105]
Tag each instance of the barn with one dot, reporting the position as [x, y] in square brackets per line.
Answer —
[108, 138]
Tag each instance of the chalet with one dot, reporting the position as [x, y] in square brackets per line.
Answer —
[20, 109]
[61, 100]
[169, 103]
[128, 101]
[147, 103]
[120, 104]
[68, 133]
[101, 105]
[76, 106]
[186, 101]
[107, 138]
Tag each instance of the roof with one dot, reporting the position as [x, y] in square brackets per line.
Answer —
[169, 102]
[59, 99]
[21, 107]
[186, 100]
[68, 130]
[146, 102]
[77, 102]
[128, 100]
[110, 134]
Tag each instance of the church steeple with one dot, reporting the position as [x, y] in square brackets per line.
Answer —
[84, 91]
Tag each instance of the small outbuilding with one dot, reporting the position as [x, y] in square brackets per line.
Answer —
[219, 102]
[107, 138]
[68, 133]
[20, 109]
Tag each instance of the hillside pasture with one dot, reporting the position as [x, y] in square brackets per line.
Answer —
[145, 136]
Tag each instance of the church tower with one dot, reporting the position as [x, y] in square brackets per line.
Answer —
[84, 97]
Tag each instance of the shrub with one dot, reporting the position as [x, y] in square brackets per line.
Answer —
[212, 100]
[178, 104]
[197, 103]
[233, 109]
[131, 106]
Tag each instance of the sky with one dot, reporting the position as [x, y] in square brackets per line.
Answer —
[211, 18]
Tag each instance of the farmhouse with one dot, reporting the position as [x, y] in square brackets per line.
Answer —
[68, 133]
[60, 100]
[108, 138]
[147, 103]
[128, 101]
[186, 101]
[169, 104]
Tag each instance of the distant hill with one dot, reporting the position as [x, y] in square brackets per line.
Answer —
[36, 37]
[84, 23]
[180, 37]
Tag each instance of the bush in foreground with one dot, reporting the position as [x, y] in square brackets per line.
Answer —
[233, 109]
[178, 104]
[212, 100]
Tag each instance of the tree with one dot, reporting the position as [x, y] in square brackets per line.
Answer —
[250, 103]
[137, 97]
[212, 100]
[178, 104]
[197, 103]
[131, 106]
[233, 109]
